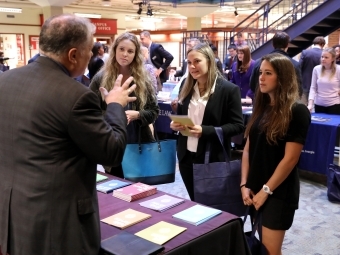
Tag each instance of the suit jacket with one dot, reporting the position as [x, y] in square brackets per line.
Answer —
[224, 110]
[180, 73]
[308, 60]
[52, 137]
[160, 58]
[254, 79]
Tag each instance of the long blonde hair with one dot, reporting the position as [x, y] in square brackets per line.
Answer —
[137, 69]
[276, 121]
[333, 66]
[213, 72]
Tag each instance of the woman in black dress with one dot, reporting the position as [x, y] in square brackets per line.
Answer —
[275, 137]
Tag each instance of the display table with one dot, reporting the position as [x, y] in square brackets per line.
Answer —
[162, 124]
[318, 151]
[222, 234]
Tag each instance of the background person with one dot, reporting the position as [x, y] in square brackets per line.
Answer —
[126, 59]
[149, 67]
[337, 53]
[308, 60]
[229, 60]
[325, 87]
[95, 62]
[280, 43]
[52, 137]
[275, 136]
[242, 70]
[159, 57]
[210, 101]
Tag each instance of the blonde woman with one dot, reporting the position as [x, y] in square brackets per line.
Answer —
[126, 58]
[210, 101]
[324, 92]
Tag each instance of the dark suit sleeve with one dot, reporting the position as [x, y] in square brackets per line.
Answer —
[298, 77]
[101, 141]
[254, 78]
[181, 72]
[302, 60]
[164, 55]
[225, 62]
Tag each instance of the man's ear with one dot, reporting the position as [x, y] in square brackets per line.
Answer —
[72, 55]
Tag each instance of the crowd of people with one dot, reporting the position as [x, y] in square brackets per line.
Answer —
[54, 130]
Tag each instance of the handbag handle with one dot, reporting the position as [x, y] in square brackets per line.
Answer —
[156, 137]
[257, 225]
[220, 136]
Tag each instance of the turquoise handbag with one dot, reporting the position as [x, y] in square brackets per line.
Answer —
[150, 163]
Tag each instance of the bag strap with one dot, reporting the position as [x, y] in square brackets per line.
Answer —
[256, 225]
[220, 136]
[219, 133]
[155, 135]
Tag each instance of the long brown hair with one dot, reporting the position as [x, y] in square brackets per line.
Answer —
[140, 76]
[213, 72]
[242, 66]
[276, 121]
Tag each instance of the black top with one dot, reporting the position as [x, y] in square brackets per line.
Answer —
[264, 158]
[94, 66]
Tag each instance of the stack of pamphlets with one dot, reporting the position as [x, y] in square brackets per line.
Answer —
[135, 191]
[109, 186]
[160, 232]
[126, 218]
[162, 203]
[125, 243]
[197, 214]
[101, 177]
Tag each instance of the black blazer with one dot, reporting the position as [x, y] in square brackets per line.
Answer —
[160, 58]
[180, 73]
[223, 110]
[308, 60]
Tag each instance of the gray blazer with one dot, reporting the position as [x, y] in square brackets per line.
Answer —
[52, 136]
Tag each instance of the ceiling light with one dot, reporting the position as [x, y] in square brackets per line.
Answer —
[149, 11]
[235, 12]
[140, 9]
[88, 15]
[106, 2]
[12, 10]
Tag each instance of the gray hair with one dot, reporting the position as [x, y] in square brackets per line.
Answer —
[61, 33]
[146, 33]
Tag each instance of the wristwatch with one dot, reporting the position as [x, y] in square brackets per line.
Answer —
[267, 189]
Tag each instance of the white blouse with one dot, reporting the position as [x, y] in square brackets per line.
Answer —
[196, 112]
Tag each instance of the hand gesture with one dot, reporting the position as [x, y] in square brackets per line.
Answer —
[120, 93]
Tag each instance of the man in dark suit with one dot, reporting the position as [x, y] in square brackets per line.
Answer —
[160, 58]
[280, 44]
[183, 71]
[53, 135]
[308, 60]
[229, 60]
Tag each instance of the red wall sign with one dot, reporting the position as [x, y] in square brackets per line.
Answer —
[105, 26]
